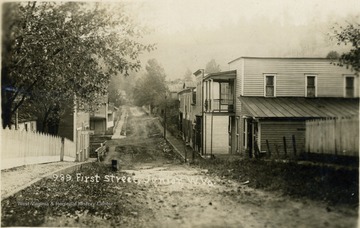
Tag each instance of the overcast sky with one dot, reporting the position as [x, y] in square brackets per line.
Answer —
[189, 33]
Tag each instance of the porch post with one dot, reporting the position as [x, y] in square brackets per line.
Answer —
[211, 93]
[252, 139]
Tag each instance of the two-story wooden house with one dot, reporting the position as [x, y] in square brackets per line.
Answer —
[187, 112]
[275, 96]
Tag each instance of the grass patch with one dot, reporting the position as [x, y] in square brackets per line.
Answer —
[336, 186]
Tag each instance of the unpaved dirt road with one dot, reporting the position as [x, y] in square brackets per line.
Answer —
[178, 195]
[153, 188]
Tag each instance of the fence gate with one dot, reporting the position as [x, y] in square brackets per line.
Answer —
[82, 145]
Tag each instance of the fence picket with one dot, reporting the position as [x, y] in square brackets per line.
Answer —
[333, 136]
[25, 147]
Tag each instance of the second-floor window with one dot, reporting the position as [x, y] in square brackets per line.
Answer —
[311, 86]
[270, 87]
[224, 93]
[349, 86]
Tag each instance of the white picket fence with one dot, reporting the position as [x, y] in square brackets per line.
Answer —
[24, 147]
[69, 150]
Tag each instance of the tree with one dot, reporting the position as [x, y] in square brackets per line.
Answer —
[333, 55]
[47, 106]
[212, 67]
[349, 35]
[188, 75]
[114, 90]
[151, 88]
[70, 48]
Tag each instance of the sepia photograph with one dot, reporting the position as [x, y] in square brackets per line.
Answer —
[180, 113]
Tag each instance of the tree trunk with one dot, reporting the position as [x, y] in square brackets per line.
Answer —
[54, 121]
[6, 109]
[6, 102]
[6, 115]
[53, 127]
[44, 126]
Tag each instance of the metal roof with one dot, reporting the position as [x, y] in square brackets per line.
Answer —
[300, 107]
[305, 58]
[231, 74]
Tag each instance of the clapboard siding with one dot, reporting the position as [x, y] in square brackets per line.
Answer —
[238, 66]
[274, 131]
[290, 76]
[220, 135]
[291, 80]
[197, 107]
[244, 112]
[186, 105]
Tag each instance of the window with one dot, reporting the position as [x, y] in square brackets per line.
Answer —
[311, 86]
[224, 93]
[349, 86]
[194, 97]
[270, 81]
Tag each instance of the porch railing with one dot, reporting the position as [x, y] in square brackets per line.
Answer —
[219, 105]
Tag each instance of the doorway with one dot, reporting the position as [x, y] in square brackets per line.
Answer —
[251, 136]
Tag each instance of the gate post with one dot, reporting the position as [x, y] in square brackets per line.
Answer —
[62, 150]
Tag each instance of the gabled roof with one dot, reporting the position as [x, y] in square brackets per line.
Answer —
[300, 107]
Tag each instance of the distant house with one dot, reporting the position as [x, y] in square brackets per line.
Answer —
[99, 119]
[27, 125]
[24, 123]
[74, 125]
[23, 120]
[174, 87]
[259, 101]
[103, 118]
[187, 98]
[111, 115]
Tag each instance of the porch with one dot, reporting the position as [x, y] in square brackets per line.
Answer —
[219, 92]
